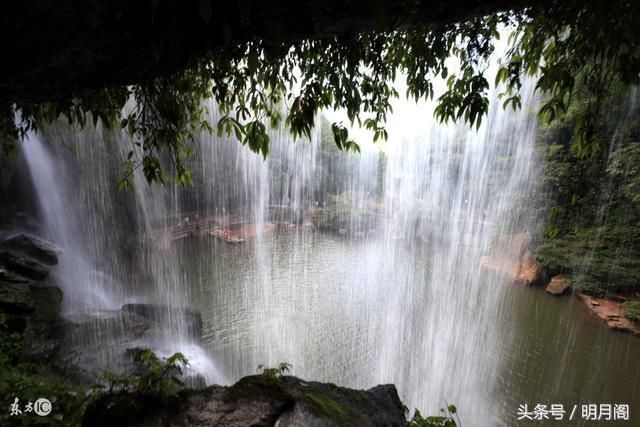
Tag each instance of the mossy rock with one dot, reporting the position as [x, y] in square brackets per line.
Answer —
[15, 298]
[23, 265]
[257, 400]
[47, 300]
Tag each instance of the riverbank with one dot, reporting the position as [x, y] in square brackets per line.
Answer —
[611, 313]
[512, 256]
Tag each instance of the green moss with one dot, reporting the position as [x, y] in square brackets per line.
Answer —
[15, 298]
[322, 400]
[258, 385]
[324, 406]
[47, 300]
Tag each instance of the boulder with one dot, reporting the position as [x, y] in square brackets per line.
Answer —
[33, 247]
[43, 335]
[558, 285]
[164, 314]
[531, 272]
[33, 309]
[15, 298]
[38, 302]
[254, 401]
[97, 340]
[23, 265]
[10, 277]
[30, 305]
[47, 300]
[506, 256]
[511, 246]
[510, 256]
[100, 326]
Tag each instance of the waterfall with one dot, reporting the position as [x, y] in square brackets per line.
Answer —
[64, 212]
[457, 191]
[106, 260]
[394, 291]
[363, 268]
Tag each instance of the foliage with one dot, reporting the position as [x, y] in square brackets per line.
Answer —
[151, 376]
[632, 310]
[576, 48]
[591, 203]
[579, 50]
[586, 284]
[274, 373]
[449, 418]
[29, 382]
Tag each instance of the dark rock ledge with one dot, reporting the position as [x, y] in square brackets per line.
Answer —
[29, 301]
[254, 401]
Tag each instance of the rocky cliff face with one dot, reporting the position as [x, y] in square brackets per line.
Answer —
[254, 401]
[29, 303]
[512, 258]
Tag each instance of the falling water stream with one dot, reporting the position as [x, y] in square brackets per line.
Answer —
[393, 294]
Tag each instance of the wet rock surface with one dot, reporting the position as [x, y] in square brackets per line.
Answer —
[254, 401]
[164, 313]
[23, 265]
[558, 285]
[37, 249]
[29, 303]
[610, 312]
[511, 257]
[96, 340]
[102, 325]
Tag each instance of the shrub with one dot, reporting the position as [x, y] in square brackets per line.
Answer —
[152, 375]
[632, 310]
[274, 373]
[447, 419]
[28, 382]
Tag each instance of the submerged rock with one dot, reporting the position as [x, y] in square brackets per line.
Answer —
[33, 247]
[558, 285]
[254, 401]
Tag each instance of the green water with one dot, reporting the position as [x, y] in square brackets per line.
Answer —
[318, 302]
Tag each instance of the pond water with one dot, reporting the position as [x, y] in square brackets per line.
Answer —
[327, 305]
